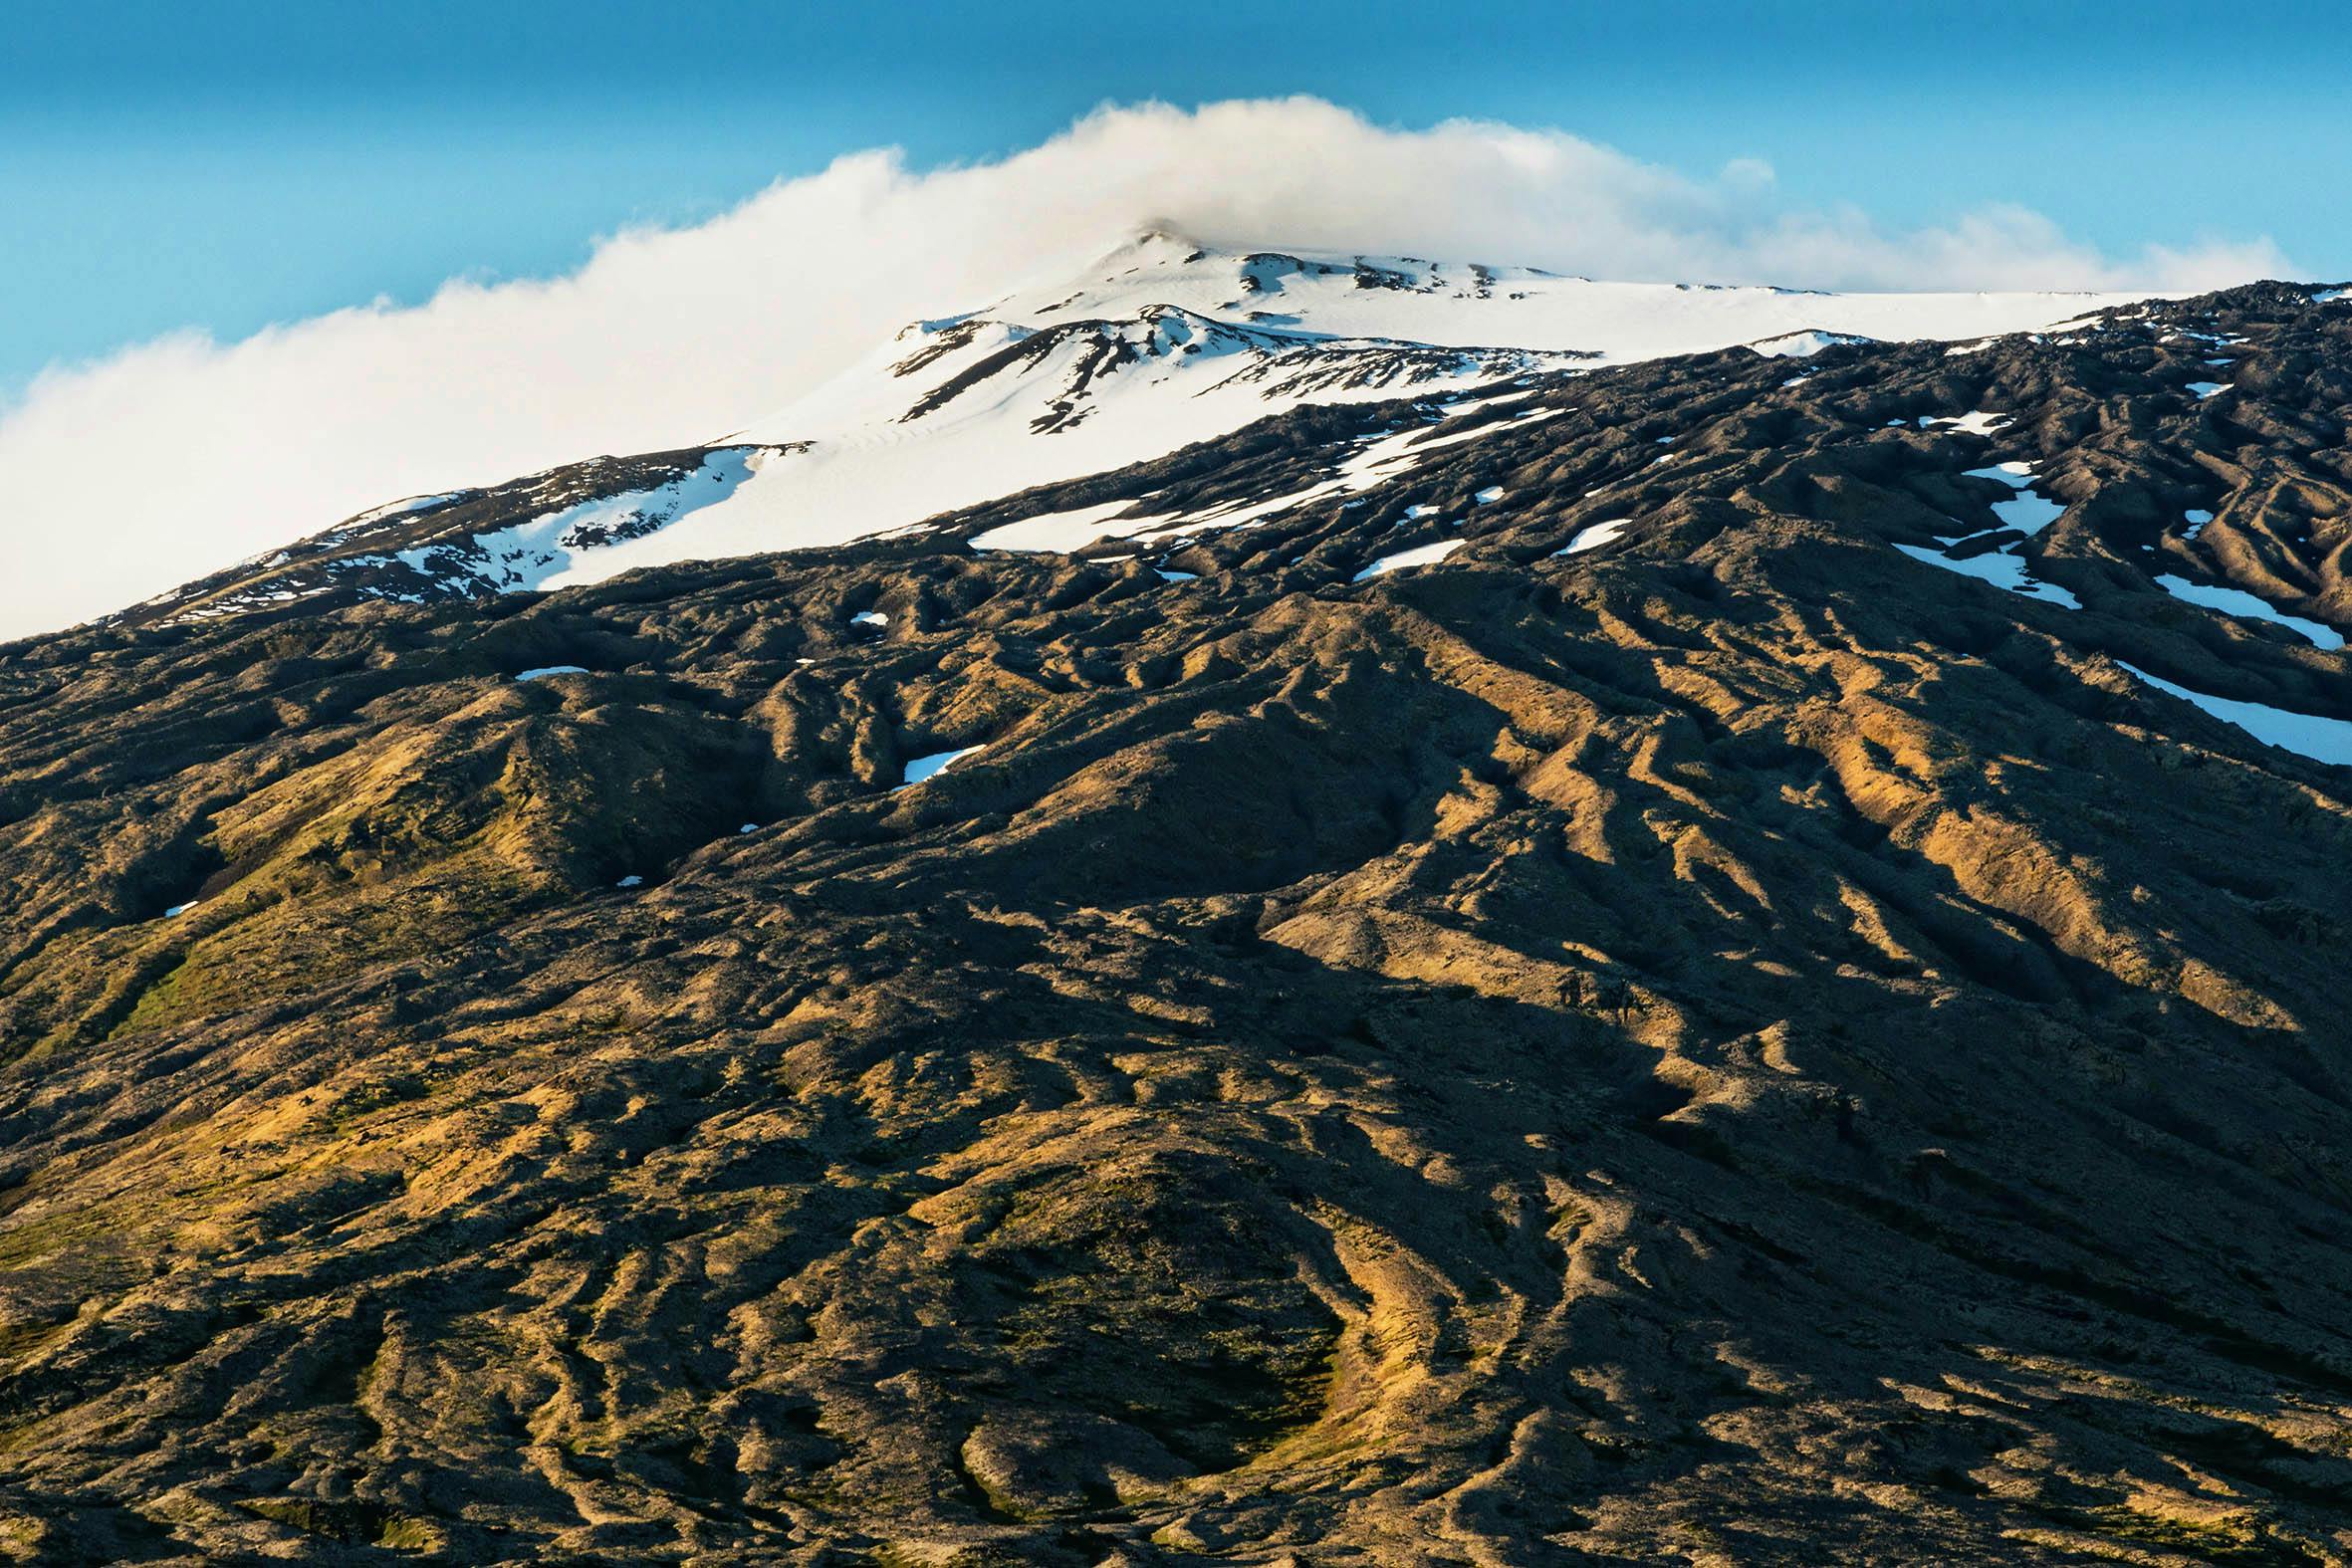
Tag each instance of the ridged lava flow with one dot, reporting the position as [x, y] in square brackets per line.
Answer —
[1725, 959]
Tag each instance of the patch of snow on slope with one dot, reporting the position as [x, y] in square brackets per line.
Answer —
[543, 671]
[548, 550]
[402, 508]
[2206, 389]
[2309, 735]
[1418, 555]
[1379, 458]
[2030, 512]
[925, 767]
[1594, 536]
[2236, 601]
[1804, 344]
[2002, 570]
[1065, 531]
[1977, 422]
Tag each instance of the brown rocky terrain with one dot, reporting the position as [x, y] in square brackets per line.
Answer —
[1734, 1046]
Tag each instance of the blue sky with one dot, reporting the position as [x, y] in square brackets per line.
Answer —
[165, 165]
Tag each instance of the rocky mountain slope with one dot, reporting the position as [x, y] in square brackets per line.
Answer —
[1717, 960]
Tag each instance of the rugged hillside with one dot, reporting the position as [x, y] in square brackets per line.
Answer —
[1639, 965]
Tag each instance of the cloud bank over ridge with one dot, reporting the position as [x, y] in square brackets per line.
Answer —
[138, 470]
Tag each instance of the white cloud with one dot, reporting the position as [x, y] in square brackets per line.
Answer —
[134, 473]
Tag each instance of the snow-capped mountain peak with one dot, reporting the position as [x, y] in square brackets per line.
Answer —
[1156, 344]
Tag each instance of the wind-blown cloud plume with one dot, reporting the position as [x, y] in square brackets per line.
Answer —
[132, 474]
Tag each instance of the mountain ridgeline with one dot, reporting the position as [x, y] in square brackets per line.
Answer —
[1571, 957]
